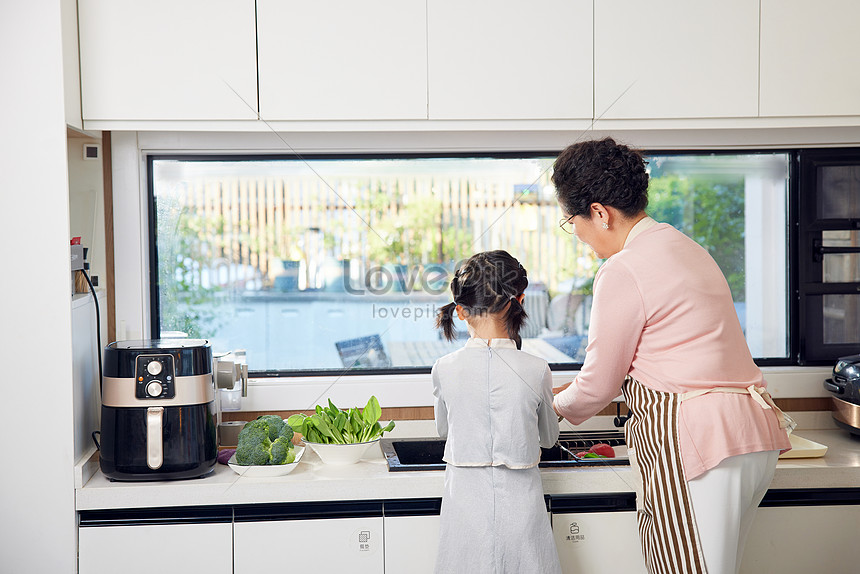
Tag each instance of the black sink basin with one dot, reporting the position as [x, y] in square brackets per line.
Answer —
[426, 453]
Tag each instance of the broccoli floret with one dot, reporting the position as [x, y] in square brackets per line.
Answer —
[254, 453]
[265, 440]
[253, 432]
[255, 424]
[254, 446]
[287, 432]
[282, 451]
[275, 425]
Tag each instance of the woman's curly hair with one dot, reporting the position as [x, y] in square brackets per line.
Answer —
[601, 171]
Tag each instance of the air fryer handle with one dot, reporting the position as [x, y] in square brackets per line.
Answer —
[833, 388]
[154, 440]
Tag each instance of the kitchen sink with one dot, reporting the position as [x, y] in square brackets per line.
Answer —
[426, 453]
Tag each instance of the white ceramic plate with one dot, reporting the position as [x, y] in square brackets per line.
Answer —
[268, 470]
[340, 453]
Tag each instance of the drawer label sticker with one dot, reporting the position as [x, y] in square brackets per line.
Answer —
[364, 541]
[574, 534]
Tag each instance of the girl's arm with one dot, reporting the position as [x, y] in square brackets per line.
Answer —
[439, 409]
[547, 419]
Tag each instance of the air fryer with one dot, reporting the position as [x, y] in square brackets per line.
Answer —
[158, 410]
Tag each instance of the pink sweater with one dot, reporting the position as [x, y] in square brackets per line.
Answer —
[663, 313]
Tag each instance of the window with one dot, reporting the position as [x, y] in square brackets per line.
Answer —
[736, 207]
[829, 257]
[328, 263]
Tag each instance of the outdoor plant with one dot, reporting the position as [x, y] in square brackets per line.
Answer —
[187, 304]
[710, 210]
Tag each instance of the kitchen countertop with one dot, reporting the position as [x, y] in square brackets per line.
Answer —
[370, 479]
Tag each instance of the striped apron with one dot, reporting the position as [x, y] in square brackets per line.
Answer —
[667, 526]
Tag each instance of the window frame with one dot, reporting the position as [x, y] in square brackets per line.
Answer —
[794, 346]
[812, 349]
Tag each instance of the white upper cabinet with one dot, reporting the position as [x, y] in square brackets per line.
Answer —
[675, 59]
[342, 60]
[508, 59]
[810, 58]
[223, 61]
[168, 60]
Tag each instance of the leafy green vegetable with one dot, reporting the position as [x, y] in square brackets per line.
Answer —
[330, 425]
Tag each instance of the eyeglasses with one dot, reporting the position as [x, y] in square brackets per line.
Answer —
[566, 224]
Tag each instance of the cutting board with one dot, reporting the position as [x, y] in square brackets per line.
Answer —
[803, 448]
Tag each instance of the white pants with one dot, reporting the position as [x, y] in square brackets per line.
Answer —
[724, 500]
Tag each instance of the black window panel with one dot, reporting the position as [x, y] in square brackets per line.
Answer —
[829, 254]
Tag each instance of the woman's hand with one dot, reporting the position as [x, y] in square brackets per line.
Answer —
[557, 390]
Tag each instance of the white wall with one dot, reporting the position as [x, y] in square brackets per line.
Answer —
[85, 373]
[86, 203]
[37, 498]
[131, 242]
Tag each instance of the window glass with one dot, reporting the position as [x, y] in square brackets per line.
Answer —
[839, 191]
[734, 206]
[841, 267]
[841, 319]
[324, 264]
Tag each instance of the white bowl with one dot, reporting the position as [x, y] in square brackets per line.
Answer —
[266, 470]
[340, 453]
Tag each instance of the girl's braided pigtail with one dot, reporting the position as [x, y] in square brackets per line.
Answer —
[445, 320]
[515, 318]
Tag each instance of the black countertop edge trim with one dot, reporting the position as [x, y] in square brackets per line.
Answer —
[307, 510]
[811, 497]
[151, 516]
[424, 506]
[558, 504]
[579, 503]
[412, 507]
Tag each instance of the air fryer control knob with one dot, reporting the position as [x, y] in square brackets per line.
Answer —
[154, 367]
[154, 388]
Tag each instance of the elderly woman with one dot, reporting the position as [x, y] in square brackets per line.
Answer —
[704, 434]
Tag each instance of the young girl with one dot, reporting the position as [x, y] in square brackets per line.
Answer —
[493, 403]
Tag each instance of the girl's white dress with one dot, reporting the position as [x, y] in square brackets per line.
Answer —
[493, 404]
